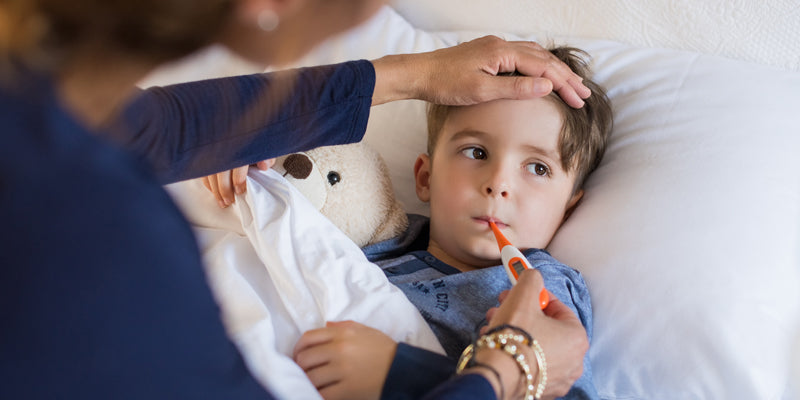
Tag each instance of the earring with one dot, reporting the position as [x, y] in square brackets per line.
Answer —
[267, 20]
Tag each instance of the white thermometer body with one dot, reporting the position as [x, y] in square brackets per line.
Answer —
[514, 262]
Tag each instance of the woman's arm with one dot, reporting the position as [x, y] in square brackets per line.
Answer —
[194, 129]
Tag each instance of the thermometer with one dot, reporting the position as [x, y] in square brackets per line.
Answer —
[515, 262]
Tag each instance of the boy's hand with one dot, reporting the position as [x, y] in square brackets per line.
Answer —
[346, 360]
[225, 185]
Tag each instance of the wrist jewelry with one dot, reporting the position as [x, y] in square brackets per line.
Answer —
[523, 332]
[510, 343]
[542, 364]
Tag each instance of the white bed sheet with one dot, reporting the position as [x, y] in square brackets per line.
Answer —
[279, 268]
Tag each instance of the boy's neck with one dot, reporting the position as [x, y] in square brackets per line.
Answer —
[460, 265]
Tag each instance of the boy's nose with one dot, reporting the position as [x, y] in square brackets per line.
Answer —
[496, 185]
[496, 191]
[497, 182]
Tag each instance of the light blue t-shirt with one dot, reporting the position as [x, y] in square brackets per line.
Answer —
[454, 303]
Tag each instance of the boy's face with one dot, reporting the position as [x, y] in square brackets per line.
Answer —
[495, 161]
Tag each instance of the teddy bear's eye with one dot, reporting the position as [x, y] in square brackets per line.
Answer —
[334, 177]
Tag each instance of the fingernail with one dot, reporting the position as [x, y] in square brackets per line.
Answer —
[239, 190]
[221, 204]
[544, 299]
[542, 86]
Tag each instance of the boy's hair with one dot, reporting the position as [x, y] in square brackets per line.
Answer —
[584, 131]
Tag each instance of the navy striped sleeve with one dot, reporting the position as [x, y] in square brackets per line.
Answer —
[414, 372]
[195, 129]
[464, 387]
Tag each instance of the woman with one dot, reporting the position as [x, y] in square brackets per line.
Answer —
[103, 293]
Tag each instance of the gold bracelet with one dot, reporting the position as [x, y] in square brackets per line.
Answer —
[489, 340]
[523, 332]
[510, 343]
[542, 363]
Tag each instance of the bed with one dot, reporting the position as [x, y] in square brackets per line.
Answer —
[689, 231]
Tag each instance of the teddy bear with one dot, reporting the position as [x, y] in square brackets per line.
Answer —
[350, 185]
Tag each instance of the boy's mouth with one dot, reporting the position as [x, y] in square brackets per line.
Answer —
[485, 220]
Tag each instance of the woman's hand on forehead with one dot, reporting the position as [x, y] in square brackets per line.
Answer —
[468, 74]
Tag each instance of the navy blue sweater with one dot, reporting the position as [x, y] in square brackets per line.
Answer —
[102, 291]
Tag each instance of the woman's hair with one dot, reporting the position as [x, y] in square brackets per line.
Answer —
[40, 32]
[584, 131]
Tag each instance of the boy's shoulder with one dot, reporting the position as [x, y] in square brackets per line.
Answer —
[414, 238]
[542, 260]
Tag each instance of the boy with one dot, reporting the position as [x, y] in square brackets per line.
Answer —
[519, 163]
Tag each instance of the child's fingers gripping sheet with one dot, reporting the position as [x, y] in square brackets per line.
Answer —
[279, 268]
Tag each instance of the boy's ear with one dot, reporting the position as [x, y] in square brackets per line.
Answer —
[572, 203]
[422, 177]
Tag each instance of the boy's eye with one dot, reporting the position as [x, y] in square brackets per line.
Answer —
[538, 169]
[476, 153]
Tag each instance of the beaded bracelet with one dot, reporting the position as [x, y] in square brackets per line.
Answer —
[509, 343]
[542, 363]
[528, 338]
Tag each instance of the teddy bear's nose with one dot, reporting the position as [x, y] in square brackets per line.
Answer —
[298, 166]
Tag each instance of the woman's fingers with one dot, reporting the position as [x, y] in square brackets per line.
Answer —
[266, 164]
[227, 184]
[540, 62]
[239, 180]
[211, 183]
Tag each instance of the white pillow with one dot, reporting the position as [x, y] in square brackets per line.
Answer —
[688, 232]
[750, 30]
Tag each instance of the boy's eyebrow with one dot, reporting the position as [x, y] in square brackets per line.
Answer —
[468, 133]
[552, 154]
[472, 133]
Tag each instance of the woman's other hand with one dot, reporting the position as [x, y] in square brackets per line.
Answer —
[467, 74]
[225, 185]
[346, 360]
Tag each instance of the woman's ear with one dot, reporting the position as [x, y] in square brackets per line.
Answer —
[422, 177]
[252, 10]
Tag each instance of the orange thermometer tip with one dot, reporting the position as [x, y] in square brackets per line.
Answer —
[501, 240]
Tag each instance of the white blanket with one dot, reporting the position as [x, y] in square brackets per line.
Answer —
[279, 268]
